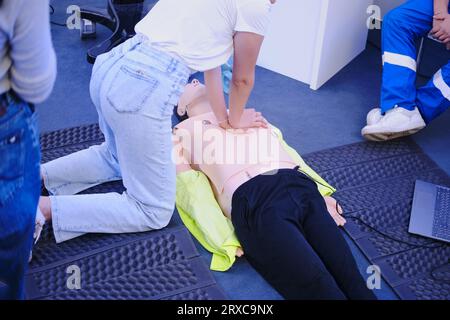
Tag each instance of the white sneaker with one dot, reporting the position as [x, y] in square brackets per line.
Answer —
[38, 227]
[374, 116]
[396, 123]
[40, 222]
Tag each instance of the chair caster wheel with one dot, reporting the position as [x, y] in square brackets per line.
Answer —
[87, 29]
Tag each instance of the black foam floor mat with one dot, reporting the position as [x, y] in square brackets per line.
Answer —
[375, 183]
[151, 265]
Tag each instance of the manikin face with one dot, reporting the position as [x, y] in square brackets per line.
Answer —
[194, 99]
[193, 91]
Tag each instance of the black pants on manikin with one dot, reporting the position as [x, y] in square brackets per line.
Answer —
[289, 237]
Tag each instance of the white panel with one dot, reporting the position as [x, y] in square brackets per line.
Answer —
[388, 5]
[342, 36]
[289, 45]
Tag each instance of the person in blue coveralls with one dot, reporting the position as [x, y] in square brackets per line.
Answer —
[404, 109]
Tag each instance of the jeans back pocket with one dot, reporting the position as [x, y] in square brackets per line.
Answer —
[12, 162]
[131, 88]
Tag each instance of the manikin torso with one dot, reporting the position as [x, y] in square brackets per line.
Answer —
[228, 158]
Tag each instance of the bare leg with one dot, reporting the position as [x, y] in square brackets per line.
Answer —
[46, 208]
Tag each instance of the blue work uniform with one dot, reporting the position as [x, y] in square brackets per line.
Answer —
[401, 28]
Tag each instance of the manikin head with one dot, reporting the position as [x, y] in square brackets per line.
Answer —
[194, 100]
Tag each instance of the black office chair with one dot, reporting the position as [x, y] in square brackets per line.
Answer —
[120, 17]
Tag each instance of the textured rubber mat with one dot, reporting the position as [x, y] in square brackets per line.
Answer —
[375, 183]
[152, 265]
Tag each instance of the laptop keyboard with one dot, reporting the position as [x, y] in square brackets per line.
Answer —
[441, 223]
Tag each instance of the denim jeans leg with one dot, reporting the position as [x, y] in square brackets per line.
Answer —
[80, 170]
[19, 194]
[84, 169]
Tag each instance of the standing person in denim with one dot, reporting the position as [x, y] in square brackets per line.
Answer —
[27, 75]
[134, 88]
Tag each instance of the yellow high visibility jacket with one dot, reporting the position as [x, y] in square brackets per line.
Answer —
[204, 218]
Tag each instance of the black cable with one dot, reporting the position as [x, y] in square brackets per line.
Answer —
[52, 11]
[414, 245]
[384, 234]
[436, 270]
[322, 184]
[374, 44]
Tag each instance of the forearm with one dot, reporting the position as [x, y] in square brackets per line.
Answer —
[214, 89]
[239, 94]
[441, 7]
[246, 49]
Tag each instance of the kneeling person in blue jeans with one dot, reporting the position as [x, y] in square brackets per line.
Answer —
[134, 88]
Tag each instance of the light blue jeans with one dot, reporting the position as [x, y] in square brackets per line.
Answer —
[134, 88]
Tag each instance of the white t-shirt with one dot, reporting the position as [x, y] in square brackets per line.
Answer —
[200, 32]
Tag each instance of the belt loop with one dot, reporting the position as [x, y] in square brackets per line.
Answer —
[172, 65]
[3, 104]
[9, 98]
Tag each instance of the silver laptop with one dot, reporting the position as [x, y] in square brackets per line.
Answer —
[430, 216]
